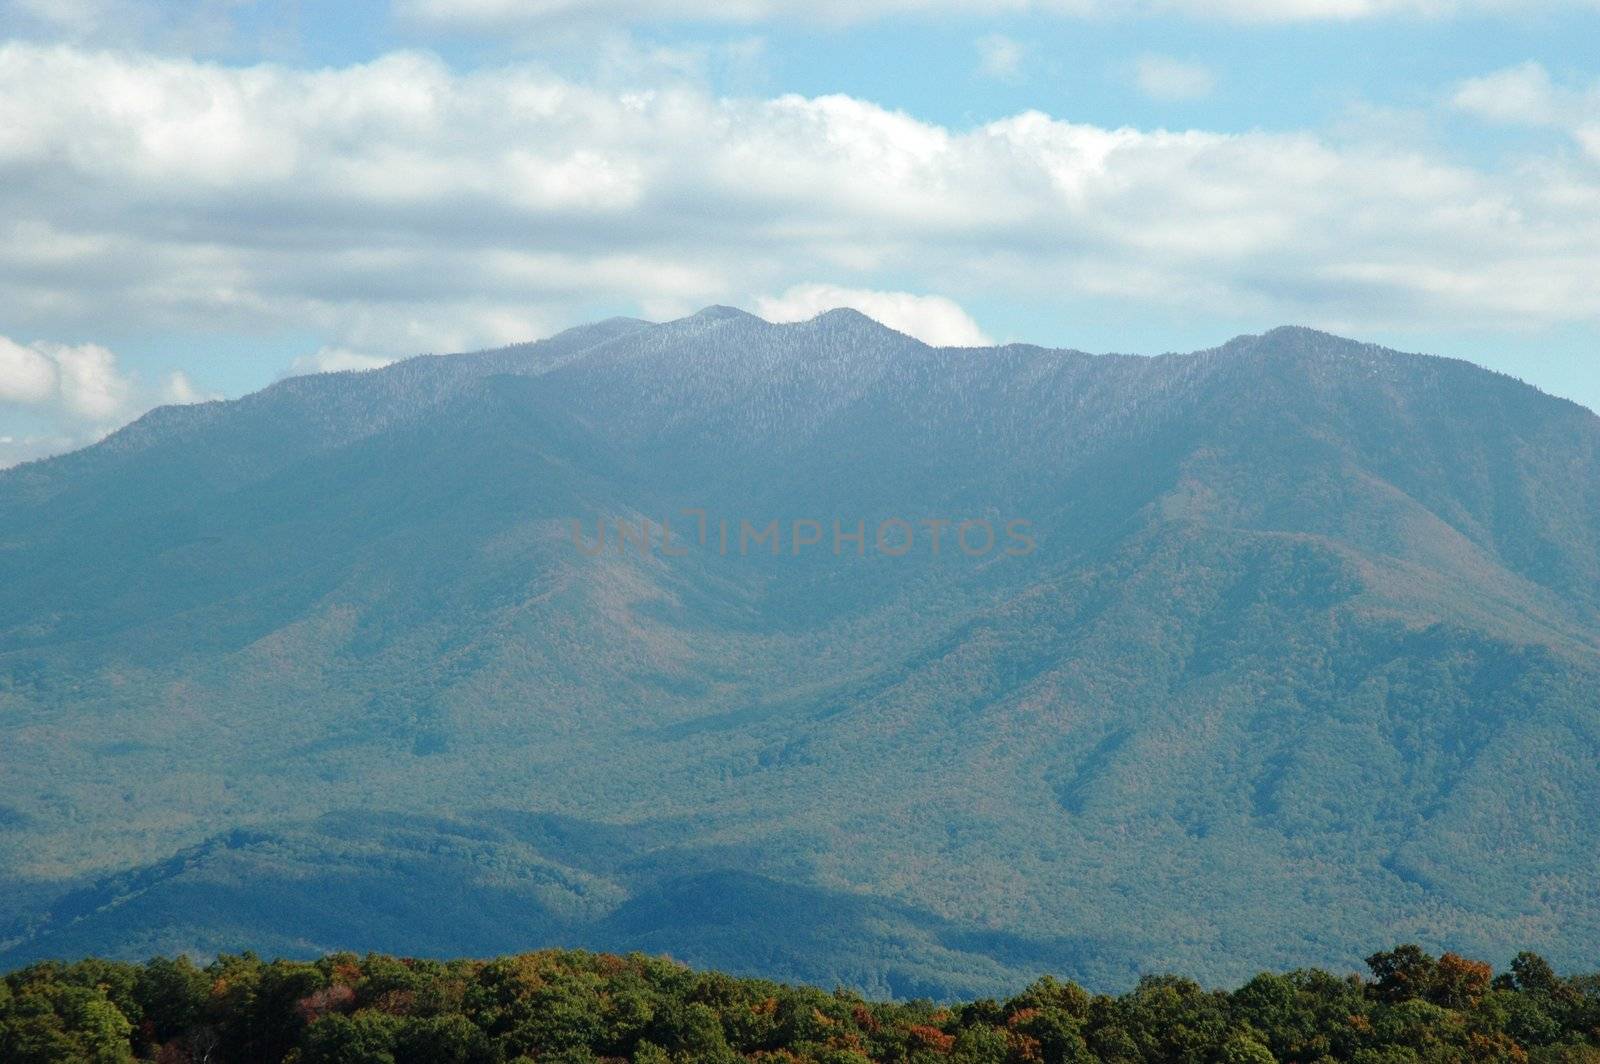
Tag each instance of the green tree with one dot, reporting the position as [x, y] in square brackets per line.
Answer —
[366, 1038]
[1241, 1049]
[1402, 973]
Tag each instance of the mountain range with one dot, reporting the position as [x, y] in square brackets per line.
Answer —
[1238, 659]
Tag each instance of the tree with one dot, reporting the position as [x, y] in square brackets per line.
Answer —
[366, 1038]
[1241, 1049]
[1532, 973]
[172, 995]
[1458, 983]
[441, 1040]
[1402, 973]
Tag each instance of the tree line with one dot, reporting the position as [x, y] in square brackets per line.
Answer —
[577, 1007]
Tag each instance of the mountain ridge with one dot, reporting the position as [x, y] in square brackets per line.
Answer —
[1298, 610]
[160, 417]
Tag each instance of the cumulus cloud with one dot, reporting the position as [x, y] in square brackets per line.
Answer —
[397, 206]
[1161, 77]
[77, 393]
[91, 386]
[1522, 95]
[1526, 95]
[934, 320]
[81, 382]
[500, 15]
[26, 375]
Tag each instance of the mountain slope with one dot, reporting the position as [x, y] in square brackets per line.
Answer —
[1305, 655]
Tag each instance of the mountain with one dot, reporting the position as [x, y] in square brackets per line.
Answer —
[1278, 649]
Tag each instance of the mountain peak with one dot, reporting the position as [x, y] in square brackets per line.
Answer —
[1294, 337]
[719, 312]
[849, 318]
[1298, 332]
[1297, 341]
[843, 314]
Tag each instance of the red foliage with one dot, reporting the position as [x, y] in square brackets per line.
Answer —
[932, 1038]
[336, 998]
[347, 972]
[1024, 1048]
[1497, 1048]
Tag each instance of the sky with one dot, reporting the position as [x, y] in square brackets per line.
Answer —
[200, 197]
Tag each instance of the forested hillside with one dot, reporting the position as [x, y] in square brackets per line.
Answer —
[573, 1007]
[1306, 655]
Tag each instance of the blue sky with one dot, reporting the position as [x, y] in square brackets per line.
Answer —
[203, 197]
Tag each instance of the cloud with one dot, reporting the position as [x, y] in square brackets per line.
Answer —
[498, 16]
[76, 392]
[80, 382]
[336, 360]
[1164, 78]
[932, 319]
[90, 386]
[179, 25]
[26, 375]
[1526, 95]
[397, 206]
[180, 390]
[1519, 95]
[1000, 57]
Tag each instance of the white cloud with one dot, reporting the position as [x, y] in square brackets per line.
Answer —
[336, 360]
[1526, 95]
[26, 375]
[501, 15]
[81, 382]
[1000, 57]
[1161, 77]
[77, 391]
[179, 390]
[91, 388]
[396, 206]
[1519, 95]
[932, 319]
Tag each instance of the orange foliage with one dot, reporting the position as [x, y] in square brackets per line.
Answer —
[1498, 1048]
[1459, 982]
[1025, 1049]
[932, 1038]
[347, 972]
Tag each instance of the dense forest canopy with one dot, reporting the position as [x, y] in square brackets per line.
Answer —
[573, 1006]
